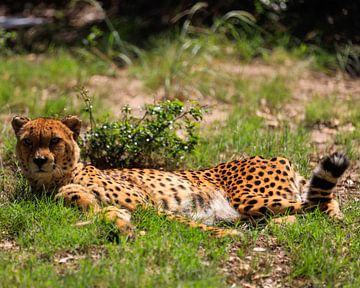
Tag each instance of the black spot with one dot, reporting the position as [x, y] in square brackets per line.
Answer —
[270, 172]
[249, 177]
[262, 189]
[278, 171]
[178, 199]
[240, 181]
[287, 167]
[261, 173]
[257, 182]
[276, 204]
[252, 169]
[285, 173]
[282, 161]
[291, 209]
[249, 185]
[236, 199]
[165, 204]
[182, 186]
[162, 184]
[128, 200]
[198, 199]
[272, 184]
[115, 195]
[263, 210]
[75, 197]
[252, 201]
[266, 179]
[236, 205]
[273, 159]
[247, 208]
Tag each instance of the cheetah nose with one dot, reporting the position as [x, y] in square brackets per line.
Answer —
[39, 161]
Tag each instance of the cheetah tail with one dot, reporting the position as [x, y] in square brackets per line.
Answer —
[325, 176]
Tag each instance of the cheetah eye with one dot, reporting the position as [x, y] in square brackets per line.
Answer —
[27, 141]
[54, 141]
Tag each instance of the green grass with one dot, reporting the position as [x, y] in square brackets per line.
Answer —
[324, 251]
[320, 110]
[44, 230]
[44, 85]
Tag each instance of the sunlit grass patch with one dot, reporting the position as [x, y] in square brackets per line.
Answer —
[320, 110]
[45, 84]
[325, 251]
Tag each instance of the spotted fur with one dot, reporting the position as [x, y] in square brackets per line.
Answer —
[249, 188]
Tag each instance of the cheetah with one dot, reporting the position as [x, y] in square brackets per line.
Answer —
[251, 188]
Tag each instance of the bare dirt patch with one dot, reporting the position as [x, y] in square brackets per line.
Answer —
[8, 245]
[265, 264]
[70, 260]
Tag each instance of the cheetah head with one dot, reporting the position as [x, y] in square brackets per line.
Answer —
[46, 148]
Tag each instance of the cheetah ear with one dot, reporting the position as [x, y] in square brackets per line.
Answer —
[18, 122]
[74, 124]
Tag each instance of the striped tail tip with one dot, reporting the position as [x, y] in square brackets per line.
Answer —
[325, 177]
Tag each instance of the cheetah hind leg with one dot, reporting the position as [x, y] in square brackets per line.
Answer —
[217, 232]
[82, 198]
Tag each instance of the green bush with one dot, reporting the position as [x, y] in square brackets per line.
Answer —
[160, 138]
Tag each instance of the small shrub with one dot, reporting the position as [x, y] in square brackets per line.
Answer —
[160, 138]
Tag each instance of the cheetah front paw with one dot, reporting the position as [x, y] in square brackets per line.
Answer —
[121, 218]
[74, 194]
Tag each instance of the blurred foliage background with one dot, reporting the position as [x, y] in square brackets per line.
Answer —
[325, 23]
[332, 25]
